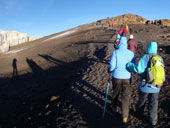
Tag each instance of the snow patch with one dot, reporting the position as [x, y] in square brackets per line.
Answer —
[55, 37]
[61, 35]
[17, 50]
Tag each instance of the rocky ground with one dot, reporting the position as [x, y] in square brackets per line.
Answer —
[61, 82]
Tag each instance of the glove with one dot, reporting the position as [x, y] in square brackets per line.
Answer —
[129, 66]
[109, 70]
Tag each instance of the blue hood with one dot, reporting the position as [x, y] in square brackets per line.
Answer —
[120, 57]
[152, 48]
[122, 43]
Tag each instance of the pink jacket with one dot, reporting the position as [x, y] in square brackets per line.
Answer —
[121, 31]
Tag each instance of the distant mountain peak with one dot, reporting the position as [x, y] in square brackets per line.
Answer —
[130, 18]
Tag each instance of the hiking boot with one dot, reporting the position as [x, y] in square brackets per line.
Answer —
[125, 119]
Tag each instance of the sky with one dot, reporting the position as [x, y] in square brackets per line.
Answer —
[40, 18]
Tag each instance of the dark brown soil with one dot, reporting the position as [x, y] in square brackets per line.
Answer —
[62, 82]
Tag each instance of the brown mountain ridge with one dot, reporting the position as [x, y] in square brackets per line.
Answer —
[132, 19]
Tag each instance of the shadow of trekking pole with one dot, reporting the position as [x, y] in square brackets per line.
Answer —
[108, 84]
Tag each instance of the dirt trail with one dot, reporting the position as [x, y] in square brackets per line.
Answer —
[90, 87]
[66, 82]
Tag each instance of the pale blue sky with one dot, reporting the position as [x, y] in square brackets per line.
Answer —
[40, 18]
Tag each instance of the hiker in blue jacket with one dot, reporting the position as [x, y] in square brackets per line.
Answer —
[121, 77]
[146, 90]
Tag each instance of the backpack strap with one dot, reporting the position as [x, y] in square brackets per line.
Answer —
[146, 70]
[149, 63]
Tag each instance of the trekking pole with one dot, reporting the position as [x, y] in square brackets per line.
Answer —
[108, 84]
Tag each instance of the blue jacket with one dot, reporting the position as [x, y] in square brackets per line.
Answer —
[120, 57]
[142, 67]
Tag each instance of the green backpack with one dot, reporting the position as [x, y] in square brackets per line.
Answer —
[156, 72]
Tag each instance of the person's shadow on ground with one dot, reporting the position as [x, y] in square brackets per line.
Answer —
[14, 65]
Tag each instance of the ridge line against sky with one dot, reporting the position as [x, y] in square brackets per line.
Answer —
[40, 18]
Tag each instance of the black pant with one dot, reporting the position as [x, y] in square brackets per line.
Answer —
[121, 87]
[152, 105]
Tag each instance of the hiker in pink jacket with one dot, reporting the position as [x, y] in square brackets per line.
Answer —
[132, 46]
[123, 30]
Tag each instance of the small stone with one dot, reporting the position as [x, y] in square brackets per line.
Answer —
[47, 106]
[54, 98]
[40, 114]
[48, 113]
